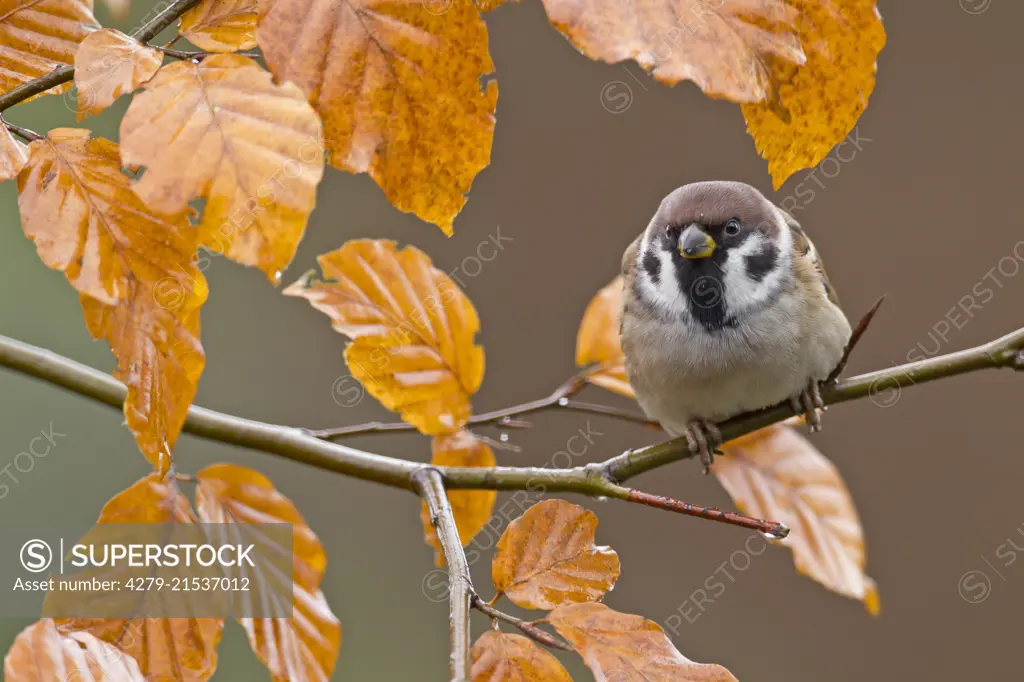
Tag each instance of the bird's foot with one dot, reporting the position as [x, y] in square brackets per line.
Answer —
[704, 439]
[808, 403]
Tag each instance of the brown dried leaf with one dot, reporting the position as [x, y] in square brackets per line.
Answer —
[109, 64]
[724, 46]
[42, 654]
[166, 649]
[222, 129]
[598, 340]
[825, 96]
[619, 646]
[13, 155]
[398, 87]
[134, 269]
[775, 473]
[547, 557]
[221, 25]
[412, 330]
[498, 657]
[304, 647]
[471, 508]
[38, 36]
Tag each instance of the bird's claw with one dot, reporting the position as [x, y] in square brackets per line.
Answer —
[808, 403]
[704, 438]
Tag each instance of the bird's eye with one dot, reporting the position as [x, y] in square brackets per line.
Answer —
[732, 228]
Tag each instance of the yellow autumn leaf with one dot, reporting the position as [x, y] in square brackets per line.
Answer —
[166, 649]
[498, 657]
[109, 64]
[412, 330]
[398, 85]
[221, 25]
[620, 646]
[41, 653]
[297, 649]
[547, 557]
[40, 36]
[13, 155]
[724, 46]
[775, 473]
[134, 269]
[598, 340]
[826, 96]
[472, 509]
[222, 129]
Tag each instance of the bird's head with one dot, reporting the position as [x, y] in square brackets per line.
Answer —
[714, 251]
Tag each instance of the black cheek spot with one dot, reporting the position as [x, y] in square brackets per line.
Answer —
[759, 265]
[652, 266]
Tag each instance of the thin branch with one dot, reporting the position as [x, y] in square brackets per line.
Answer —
[624, 415]
[862, 327]
[529, 629]
[23, 133]
[505, 416]
[597, 480]
[776, 531]
[183, 54]
[66, 73]
[430, 486]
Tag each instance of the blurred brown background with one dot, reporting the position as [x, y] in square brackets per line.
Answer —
[922, 212]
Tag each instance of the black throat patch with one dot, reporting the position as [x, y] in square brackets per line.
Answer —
[702, 283]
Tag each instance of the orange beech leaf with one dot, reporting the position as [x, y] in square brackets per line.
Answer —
[471, 508]
[221, 25]
[166, 649]
[13, 155]
[222, 129]
[297, 649]
[484, 5]
[398, 85]
[39, 36]
[619, 646]
[412, 330]
[775, 473]
[598, 340]
[547, 557]
[134, 269]
[41, 653]
[109, 64]
[724, 46]
[498, 657]
[825, 96]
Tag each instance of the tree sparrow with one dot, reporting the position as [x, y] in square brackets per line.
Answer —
[726, 309]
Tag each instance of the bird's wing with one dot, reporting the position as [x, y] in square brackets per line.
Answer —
[806, 258]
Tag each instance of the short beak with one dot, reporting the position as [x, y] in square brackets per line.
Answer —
[695, 243]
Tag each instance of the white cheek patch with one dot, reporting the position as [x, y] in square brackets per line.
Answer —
[665, 294]
[744, 294]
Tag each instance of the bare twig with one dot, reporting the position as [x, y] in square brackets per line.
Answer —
[23, 133]
[183, 54]
[624, 415]
[430, 486]
[773, 529]
[66, 74]
[529, 629]
[862, 327]
[597, 480]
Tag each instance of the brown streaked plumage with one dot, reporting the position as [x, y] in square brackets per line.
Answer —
[727, 308]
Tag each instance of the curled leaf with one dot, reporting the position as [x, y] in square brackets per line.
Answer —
[619, 646]
[109, 64]
[598, 340]
[166, 649]
[547, 557]
[471, 508]
[222, 129]
[221, 25]
[825, 96]
[412, 330]
[134, 269]
[775, 473]
[40, 36]
[41, 653]
[498, 657]
[724, 46]
[301, 648]
[398, 85]
[13, 155]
